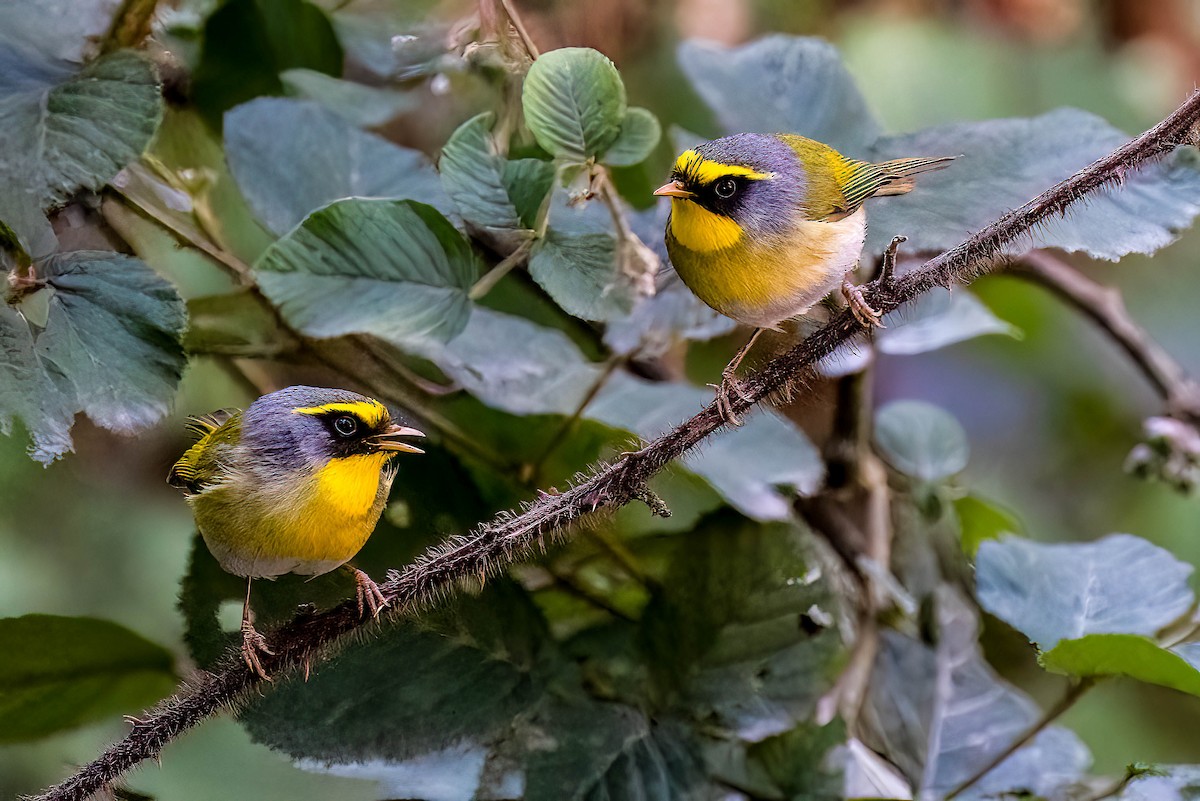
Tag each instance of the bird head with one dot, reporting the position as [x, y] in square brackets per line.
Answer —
[319, 426]
[748, 185]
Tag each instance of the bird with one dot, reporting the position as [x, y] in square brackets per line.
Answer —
[764, 226]
[293, 484]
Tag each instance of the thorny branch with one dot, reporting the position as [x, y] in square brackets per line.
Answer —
[511, 536]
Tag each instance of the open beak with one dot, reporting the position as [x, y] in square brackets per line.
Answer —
[390, 439]
[673, 189]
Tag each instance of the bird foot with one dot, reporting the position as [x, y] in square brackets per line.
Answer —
[729, 388]
[370, 598]
[253, 644]
[867, 316]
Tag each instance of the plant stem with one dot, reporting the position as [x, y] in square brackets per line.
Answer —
[1105, 307]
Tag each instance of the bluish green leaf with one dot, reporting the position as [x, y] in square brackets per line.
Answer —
[1162, 783]
[365, 106]
[577, 261]
[757, 469]
[1120, 584]
[798, 764]
[394, 269]
[921, 440]
[62, 672]
[1131, 655]
[1006, 162]
[574, 103]
[246, 44]
[940, 714]
[782, 84]
[63, 30]
[266, 141]
[62, 131]
[936, 319]
[640, 132]
[105, 341]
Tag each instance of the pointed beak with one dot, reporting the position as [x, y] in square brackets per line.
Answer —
[390, 439]
[673, 189]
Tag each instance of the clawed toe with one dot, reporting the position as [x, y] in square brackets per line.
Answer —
[729, 388]
[253, 644]
[370, 598]
[866, 315]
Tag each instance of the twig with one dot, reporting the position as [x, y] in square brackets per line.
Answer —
[535, 470]
[510, 537]
[1073, 694]
[515, 19]
[492, 277]
[1104, 306]
[130, 25]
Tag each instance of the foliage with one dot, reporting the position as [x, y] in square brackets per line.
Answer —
[509, 296]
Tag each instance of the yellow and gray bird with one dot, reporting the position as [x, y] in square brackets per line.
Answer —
[763, 227]
[295, 484]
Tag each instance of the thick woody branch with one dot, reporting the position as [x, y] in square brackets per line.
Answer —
[512, 536]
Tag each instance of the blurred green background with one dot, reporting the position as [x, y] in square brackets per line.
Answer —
[1051, 416]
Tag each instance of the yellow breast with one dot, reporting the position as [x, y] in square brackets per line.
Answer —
[310, 527]
[761, 283]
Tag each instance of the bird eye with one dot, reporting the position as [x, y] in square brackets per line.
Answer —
[726, 187]
[345, 425]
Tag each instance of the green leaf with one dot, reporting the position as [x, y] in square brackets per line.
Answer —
[1006, 162]
[797, 761]
[940, 714]
[577, 261]
[574, 103]
[640, 132]
[607, 752]
[62, 672]
[63, 131]
[1120, 584]
[463, 674]
[394, 269]
[980, 520]
[106, 342]
[234, 324]
[267, 138]
[723, 636]
[921, 440]
[782, 84]
[473, 173]
[1129, 655]
[248, 43]
[364, 106]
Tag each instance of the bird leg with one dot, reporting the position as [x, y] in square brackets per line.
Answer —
[370, 598]
[730, 384]
[853, 294]
[252, 642]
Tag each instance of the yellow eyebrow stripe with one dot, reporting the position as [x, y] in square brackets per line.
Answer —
[371, 412]
[703, 171]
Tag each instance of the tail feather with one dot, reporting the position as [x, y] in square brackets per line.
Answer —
[897, 173]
